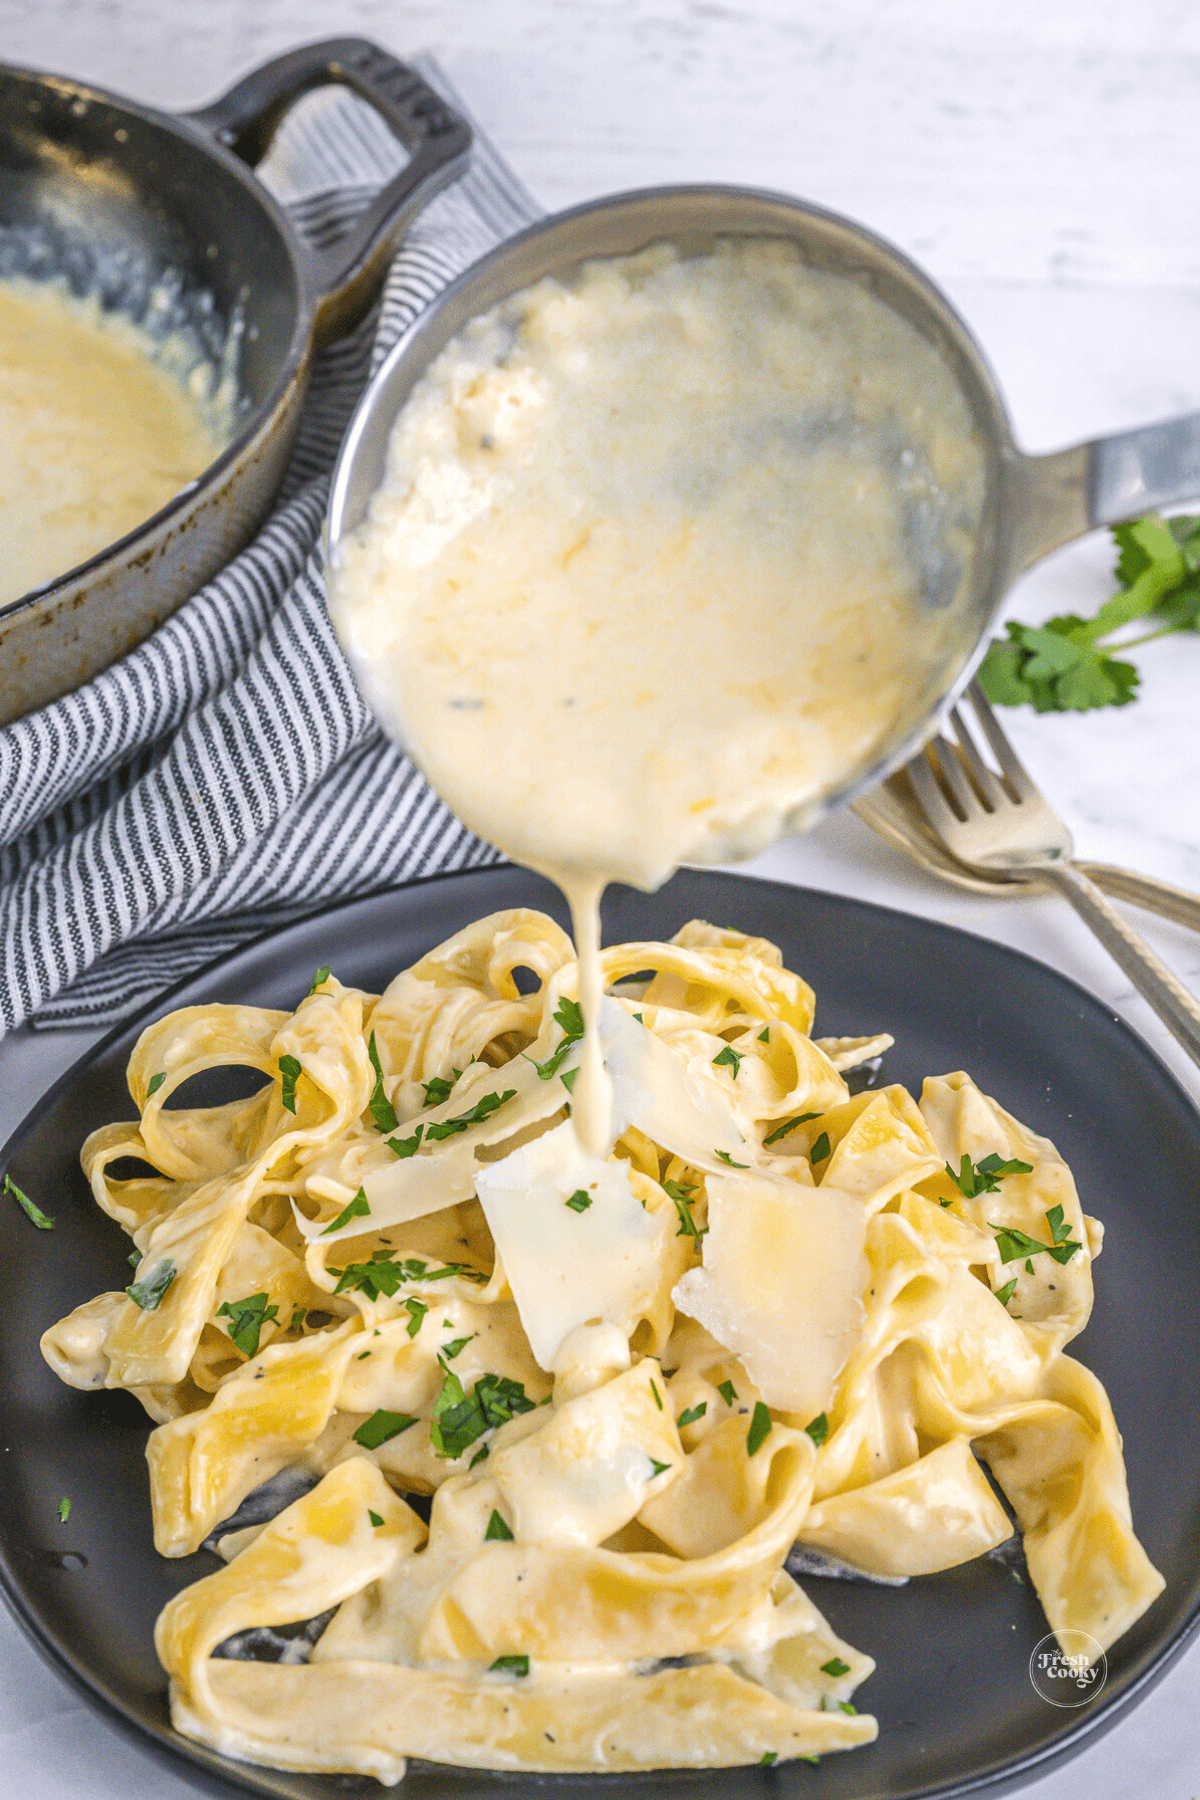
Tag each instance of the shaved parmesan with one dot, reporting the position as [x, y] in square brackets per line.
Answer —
[782, 1285]
[566, 1268]
[678, 1104]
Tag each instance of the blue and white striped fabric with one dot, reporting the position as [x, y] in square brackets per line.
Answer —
[226, 775]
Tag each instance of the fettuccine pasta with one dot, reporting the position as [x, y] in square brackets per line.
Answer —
[510, 1444]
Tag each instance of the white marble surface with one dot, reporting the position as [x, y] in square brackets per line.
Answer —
[1039, 159]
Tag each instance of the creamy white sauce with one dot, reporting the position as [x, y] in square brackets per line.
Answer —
[100, 425]
[657, 560]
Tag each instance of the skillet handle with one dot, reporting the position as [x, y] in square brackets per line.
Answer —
[342, 281]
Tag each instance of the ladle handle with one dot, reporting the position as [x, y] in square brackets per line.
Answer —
[342, 280]
[1062, 495]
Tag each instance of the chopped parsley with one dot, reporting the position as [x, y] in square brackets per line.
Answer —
[290, 1071]
[509, 1665]
[299, 1314]
[375, 1518]
[1018, 1246]
[482, 1109]
[319, 979]
[569, 1015]
[983, 1177]
[383, 1276]
[358, 1208]
[730, 1058]
[568, 1079]
[246, 1320]
[580, 1200]
[835, 1667]
[408, 1146]
[724, 1156]
[460, 1419]
[764, 1036]
[767, 1758]
[789, 1125]
[680, 1196]
[155, 1083]
[497, 1529]
[659, 1468]
[64, 1510]
[1004, 1294]
[440, 1088]
[381, 1427]
[847, 1706]
[818, 1429]
[691, 1415]
[654, 1387]
[381, 1108]
[727, 1392]
[820, 1149]
[760, 1426]
[148, 1294]
[416, 1310]
[42, 1220]
[456, 1346]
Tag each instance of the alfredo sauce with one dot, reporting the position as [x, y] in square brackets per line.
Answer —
[658, 556]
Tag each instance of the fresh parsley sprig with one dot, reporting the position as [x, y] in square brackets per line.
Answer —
[569, 1015]
[1070, 664]
[682, 1198]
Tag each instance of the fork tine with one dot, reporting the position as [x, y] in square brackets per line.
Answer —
[949, 767]
[938, 811]
[1014, 770]
[985, 779]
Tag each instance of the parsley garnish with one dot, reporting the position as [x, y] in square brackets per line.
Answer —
[1004, 1294]
[724, 1156]
[654, 1386]
[375, 1518]
[568, 1014]
[155, 1083]
[358, 1208]
[727, 1392]
[764, 1036]
[482, 1452]
[64, 1510]
[509, 1665]
[580, 1200]
[691, 1415]
[760, 1425]
[290, 1072]
[456, 1346]
[458, 1419]
[789, 1125]
[381, 1108]
[246, 1320]
[847, 1706]
[1016, 1246]
[299, 1314]
[381, 1427]
[1064, 665]
[983, 1177]
[820, 1149]
[409, 1146]
[818, 1429]
[383, 1276]
[148, 1294]
[767, 1758]
[659, 1468]
[730, 1057]
[569, 1078]
[482, 1109]
[42, 1220]
[687, 1224]
[440, 1088]
[835, 1667]
[497, 1529]
[319, 979]
[416, 1310]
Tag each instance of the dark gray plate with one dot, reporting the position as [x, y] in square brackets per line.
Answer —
[957, 1712]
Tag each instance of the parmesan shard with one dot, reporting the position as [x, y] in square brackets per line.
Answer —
[782, 1285]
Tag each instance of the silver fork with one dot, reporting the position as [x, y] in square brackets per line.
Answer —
[998, 820]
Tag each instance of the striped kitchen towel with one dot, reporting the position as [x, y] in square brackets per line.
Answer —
[226, 775]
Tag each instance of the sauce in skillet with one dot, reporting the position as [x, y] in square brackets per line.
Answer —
[97, 431]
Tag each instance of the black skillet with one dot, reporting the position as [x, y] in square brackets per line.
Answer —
[116, 196]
